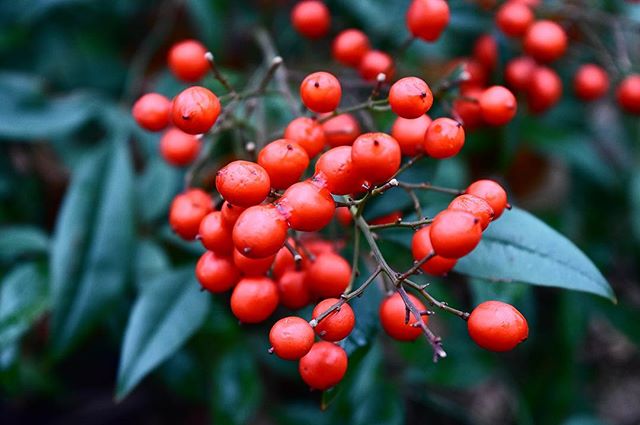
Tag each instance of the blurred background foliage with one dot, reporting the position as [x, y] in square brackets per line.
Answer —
[86, 253]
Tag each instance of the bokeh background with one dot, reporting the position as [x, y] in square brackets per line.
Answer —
[83, 204]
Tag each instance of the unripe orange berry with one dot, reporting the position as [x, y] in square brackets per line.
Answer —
[498, 105]
[311, 18]
[475, 205]
[376, 156]
[252, 266]
[308, 133]
[497, 326]
[393, 313]
[518, 72]
[323, 366]
[254, 299]
[545, 89]
[375, 62]
[491, 192]
[328, 276]
[455, 233]
[350, 46]
[216, 273]
[260, 231]
[187, 62]
[591, 82]
[410, 134]
[179, 148]
[321, 92]
[410, 97]
[291, 338]
[628, 94]
[230, 213]
[307, 206]
[421, 247]
[514, 18]
[215, 234]
[338, 324]
[187, 211]
[335, 170]
[444, 138]
[341, 130]
[195, 110]
[426, 19]
[285, 161]
[152, 111]
[485, 51]
[243, 183]
[545, 41]
[294, 293]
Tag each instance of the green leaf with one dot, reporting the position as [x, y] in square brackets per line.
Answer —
[167, 312]
[519, 247]
[150, 262]
[93, 243]
[19, 241]
[155, 189]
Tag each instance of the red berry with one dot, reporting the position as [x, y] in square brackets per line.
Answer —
[187, 62]
[591, 82]
[252, 266]
[477, 75]
[514, 18]
[284, 261]
[410, 134]
[498, 105]
[375, 62]
[475, 205]
[323, 366]
[215, 234]
[293, 289]
[518, 72]
[335, 170]
[254, 299]
[376, 157]
[426, 19]
[328, 276]
[321, 92]
[338, 324]
[179, 148]
[497, 326]
[410, 97]
[308, 133]
[628, 94]
[187, 211]
[455, 233]
[311, 18]
[545, 41]
[152, 111]
[545, 89]
[243, 183]
[444, 138]
[491, 192]
[421, 247]
[285, 161]
[468, 108]
[307, 206]
[230, 213]
[216, 273]
[393, 217]
[343, 215]
[350, 46]
[260, 231]
[393, 314]
[485, 51]
[341, 130]
[195, 110]
[291, 338]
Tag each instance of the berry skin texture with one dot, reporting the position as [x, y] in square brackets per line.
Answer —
[311, 18]
[323, 366]
[514, 18]
[591, 82]
[215, 273]
[338, 324]
[260, 231]
[179, 148]
[254, 299]
[291, 338]
[195, 110]
[350, 46]
[393, 315]
[545, 41]
[341, 130]
[376, 157]
[321, 92]
[410, 97]
[491, 192]
[243, 183]
[307, 206]
[230, 213]
[293, 290]
[328, 276]
[498, 105]
[336, 171]
[187, 62]
[518, 72]
[215, 234]
[410, 134]
[252, 266]
[474, 205]
[375, 62]
[455, 233]
[444, 138]
[187, 211]
[308, 133]
[426, 19]
[628, 94]
[545, 89]
[497, 326]
[485, 51]
[152, 111]
[285, 161]
[421, 247]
